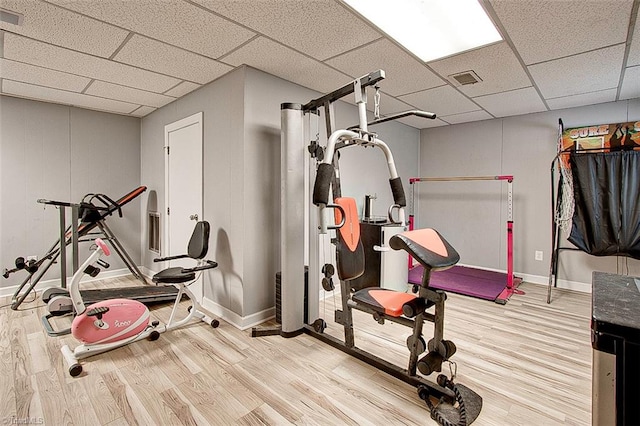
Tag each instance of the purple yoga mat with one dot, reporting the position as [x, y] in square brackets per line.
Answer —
[468, 281]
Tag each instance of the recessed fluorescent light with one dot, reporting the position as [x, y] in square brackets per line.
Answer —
[431, 29]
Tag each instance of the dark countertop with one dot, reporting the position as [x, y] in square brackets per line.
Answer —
[615, 307]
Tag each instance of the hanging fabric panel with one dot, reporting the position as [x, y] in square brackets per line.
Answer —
[606, 186]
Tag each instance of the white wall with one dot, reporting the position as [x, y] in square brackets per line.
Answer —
[472, 215]
[58, 152]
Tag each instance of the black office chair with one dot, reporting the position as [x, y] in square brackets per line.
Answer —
[182, 277]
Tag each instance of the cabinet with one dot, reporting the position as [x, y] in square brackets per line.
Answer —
[615, 338]
[384, 267]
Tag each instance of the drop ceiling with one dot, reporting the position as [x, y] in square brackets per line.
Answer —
[133, 56]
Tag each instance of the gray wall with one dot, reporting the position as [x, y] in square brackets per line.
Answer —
[222, 105]
[62, 153]
[472, 215]
[363, 171]
[242, 179]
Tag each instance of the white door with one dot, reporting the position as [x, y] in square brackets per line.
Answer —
[183, 183]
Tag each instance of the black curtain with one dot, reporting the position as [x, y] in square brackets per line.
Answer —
[606, 187]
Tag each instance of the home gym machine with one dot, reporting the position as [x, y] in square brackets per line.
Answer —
[88, 221]
[300, 252]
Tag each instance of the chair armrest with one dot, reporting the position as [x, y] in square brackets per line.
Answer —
[210, 265]
[162, 259]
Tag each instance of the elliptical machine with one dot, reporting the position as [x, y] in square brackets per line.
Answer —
[114, 323]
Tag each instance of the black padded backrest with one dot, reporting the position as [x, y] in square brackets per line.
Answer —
[349, 249]
[199, 242]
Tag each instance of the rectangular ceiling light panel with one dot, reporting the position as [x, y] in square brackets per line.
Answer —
[431, 29]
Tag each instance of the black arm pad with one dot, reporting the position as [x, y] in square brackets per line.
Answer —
[398, 192]
[322, 184]
[164, 259]
[210, 264]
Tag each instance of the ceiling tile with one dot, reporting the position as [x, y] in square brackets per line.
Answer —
[182, 89]
[150, 54]
[404, 73]
[276, 59]
[45, 55]
[516, 102]
[466, 117]
[142, 111]
[631, 84]
[26, 73]
[634, 51]
[584, 73]
[388, 104]
[422, 123]
[54, 25]
[48, 94]
[175, 22]
[444, 100]
[508, 76]
[542, 30]
[127, 94]
[583, 99]
[319, 28]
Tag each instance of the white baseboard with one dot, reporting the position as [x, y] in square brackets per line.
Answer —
[8, 291]
[543, 280]
[564, 284]
[236, 320]
[148, 273]
[225, 314]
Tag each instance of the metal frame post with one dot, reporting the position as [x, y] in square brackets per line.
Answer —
[292, 220]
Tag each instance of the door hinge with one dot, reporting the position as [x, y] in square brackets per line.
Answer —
[168, 211]
[168, 148]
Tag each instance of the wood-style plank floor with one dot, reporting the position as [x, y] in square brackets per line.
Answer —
[530, 361]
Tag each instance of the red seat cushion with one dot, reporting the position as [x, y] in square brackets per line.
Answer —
[381, 300]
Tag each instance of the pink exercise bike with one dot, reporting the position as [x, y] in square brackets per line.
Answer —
[113, 323]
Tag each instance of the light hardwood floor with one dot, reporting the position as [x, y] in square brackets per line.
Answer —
[531, 363]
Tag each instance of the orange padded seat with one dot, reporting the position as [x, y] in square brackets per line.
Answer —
[381, 300]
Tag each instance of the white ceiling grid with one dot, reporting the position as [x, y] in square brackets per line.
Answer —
[149, 54]
[276, 59]
[132, 57]
[25, 73]
[318, 28]
[404, 73]
[31, 91]
[174, 22]
[514, 102]
[43, 21]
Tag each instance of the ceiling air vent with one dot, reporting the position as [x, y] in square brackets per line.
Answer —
[10, 17]
[465, 78]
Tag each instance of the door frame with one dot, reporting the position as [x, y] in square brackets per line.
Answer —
[172, 127]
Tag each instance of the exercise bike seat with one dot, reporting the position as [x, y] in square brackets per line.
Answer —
[174, 275]
[196, 250]
[426, 246]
